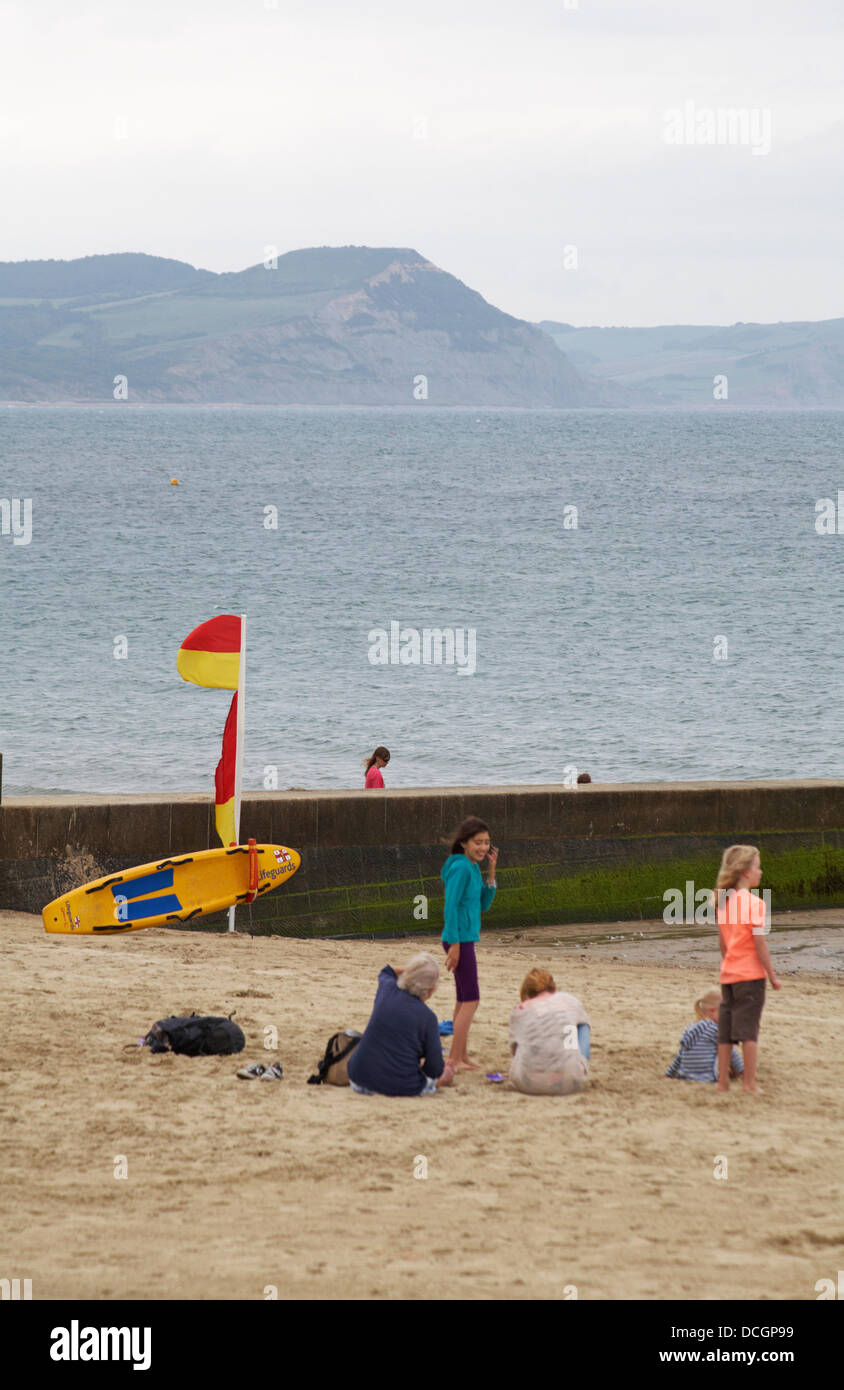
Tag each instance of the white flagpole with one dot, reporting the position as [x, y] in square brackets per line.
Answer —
[241, 724]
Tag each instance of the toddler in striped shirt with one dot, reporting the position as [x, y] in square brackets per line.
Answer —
[697, 1059]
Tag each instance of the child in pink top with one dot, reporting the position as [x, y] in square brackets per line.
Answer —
[745, 960]
[379, 759]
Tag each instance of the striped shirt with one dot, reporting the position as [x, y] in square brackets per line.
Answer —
[697, 1059]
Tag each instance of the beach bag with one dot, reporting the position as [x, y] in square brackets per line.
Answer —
[333, 1066]
[195, 1036]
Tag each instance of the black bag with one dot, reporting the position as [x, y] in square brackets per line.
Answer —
[332, 1067]
[195, 1036]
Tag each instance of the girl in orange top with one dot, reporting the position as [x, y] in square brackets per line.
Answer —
[745, 960]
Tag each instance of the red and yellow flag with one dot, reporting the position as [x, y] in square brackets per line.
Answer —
[210, 655]
[224, 778]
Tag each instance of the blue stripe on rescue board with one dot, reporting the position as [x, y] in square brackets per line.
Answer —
[137, 887]
[146, 907]
[127, 910]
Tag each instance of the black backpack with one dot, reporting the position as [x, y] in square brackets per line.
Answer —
[195, 1036]
[332, 1067]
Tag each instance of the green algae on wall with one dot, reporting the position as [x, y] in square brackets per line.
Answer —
[544, 894]
[369, 862]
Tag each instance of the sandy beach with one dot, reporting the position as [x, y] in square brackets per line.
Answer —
[237, 1189]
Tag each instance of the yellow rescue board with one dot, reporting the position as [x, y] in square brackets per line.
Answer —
[168, 892]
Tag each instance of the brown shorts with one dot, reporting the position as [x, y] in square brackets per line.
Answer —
[741, 1010]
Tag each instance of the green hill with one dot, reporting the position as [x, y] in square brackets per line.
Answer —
[329, 325]
[125, 274]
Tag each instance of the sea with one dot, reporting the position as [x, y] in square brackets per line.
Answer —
[640, 595]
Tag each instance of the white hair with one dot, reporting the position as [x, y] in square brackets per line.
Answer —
[420, 975]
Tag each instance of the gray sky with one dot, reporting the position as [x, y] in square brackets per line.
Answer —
[489, 136]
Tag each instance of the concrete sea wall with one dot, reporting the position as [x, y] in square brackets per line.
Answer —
[371, 860]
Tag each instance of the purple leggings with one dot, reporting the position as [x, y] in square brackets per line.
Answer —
[466, 974]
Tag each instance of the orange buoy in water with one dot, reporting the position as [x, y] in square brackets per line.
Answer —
[174, 482]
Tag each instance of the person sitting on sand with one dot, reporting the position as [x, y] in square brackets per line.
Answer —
[549, 1039]
[400, 1052]
[697, 1059]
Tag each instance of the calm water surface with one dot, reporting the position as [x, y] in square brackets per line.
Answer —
[595, 644]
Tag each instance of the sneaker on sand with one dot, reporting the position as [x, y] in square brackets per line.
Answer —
[252, 1073]
[273, 1073]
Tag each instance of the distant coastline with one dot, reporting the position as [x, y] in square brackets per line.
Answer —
[364, 327]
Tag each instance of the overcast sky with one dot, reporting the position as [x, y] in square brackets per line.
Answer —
[488, 136]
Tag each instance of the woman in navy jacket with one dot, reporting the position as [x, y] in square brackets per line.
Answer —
[400, 1052]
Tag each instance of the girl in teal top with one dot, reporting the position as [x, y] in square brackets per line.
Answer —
[466, 897]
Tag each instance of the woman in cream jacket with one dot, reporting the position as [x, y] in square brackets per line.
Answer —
[549, 1039]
